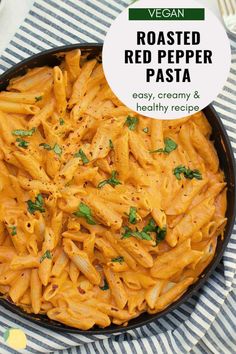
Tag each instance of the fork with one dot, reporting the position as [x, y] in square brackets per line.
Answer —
[228, 12]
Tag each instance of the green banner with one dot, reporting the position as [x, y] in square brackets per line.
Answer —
[166, 14]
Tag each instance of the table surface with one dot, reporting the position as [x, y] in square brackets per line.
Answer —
[15, 11]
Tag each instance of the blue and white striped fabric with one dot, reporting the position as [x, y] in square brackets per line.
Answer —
[204, 324]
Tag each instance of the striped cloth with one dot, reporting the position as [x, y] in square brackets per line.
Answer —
[206, 323]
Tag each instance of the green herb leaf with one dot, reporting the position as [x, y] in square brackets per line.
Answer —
[57, 149]
[37, 205]
[146, 130]
[85, 212]
[113, 181]
[142, 235]
[61, 121]
[19, 132]
[160, 234]
[38, 98]
[170, 145]
[47, 255]
[189, 174]
[118, 259]
[105, 286]
[6, 335]
[82, 155]
[131, 122]
[22, 143]
[151, 226]
[46, 146]
[13, 230]
[133, 215]
[111, 144]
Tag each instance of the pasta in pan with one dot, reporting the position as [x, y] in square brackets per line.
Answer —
[104, 214]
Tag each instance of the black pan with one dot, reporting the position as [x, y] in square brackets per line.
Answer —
[222, 144]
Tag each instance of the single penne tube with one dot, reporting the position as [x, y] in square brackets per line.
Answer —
[110, 310]
[81, 260]
[35, 291]
[8, 277]
[145, 280]
[157, 139]
[60, 264]
[80, 85]
[20, 286]
[22, 262]
[32, 166]
[120, 250]
[191, 222]
[74, 272]
[103, 212]
[183, 199]
[59, 87]
[99, 317]
[204, 148]
[134, 247]
[106, 248]
[117, 287]
[174, 253]
[42, 115]
[118, 267]
[31, 79]
[45, 270]
[18, 97]
[173, 294]
[131, 280]
[72, 60]
[121, 148]
[166, 271]
[13, 107]
[154, 292]
[63, 316]
[138, 150]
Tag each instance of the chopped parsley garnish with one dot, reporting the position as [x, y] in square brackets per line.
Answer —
[118, 259]
[131, 122]
[160, 234]
[61, 121]
[113, 181]
[56, 148]
[150, 227]
[37, 205]
[38, 98]
[46, 146]
[142, 235]
[13, 230]
[82, 155]
[105, 286]
[85, 212]
[111, 144]
[145, 233]
[22, 143]
[189, 174]
[133, 215]
[170, 145]
[47, 255]
[146, 130]
[19, 132]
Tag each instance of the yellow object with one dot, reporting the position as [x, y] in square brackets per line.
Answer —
[15, 338]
